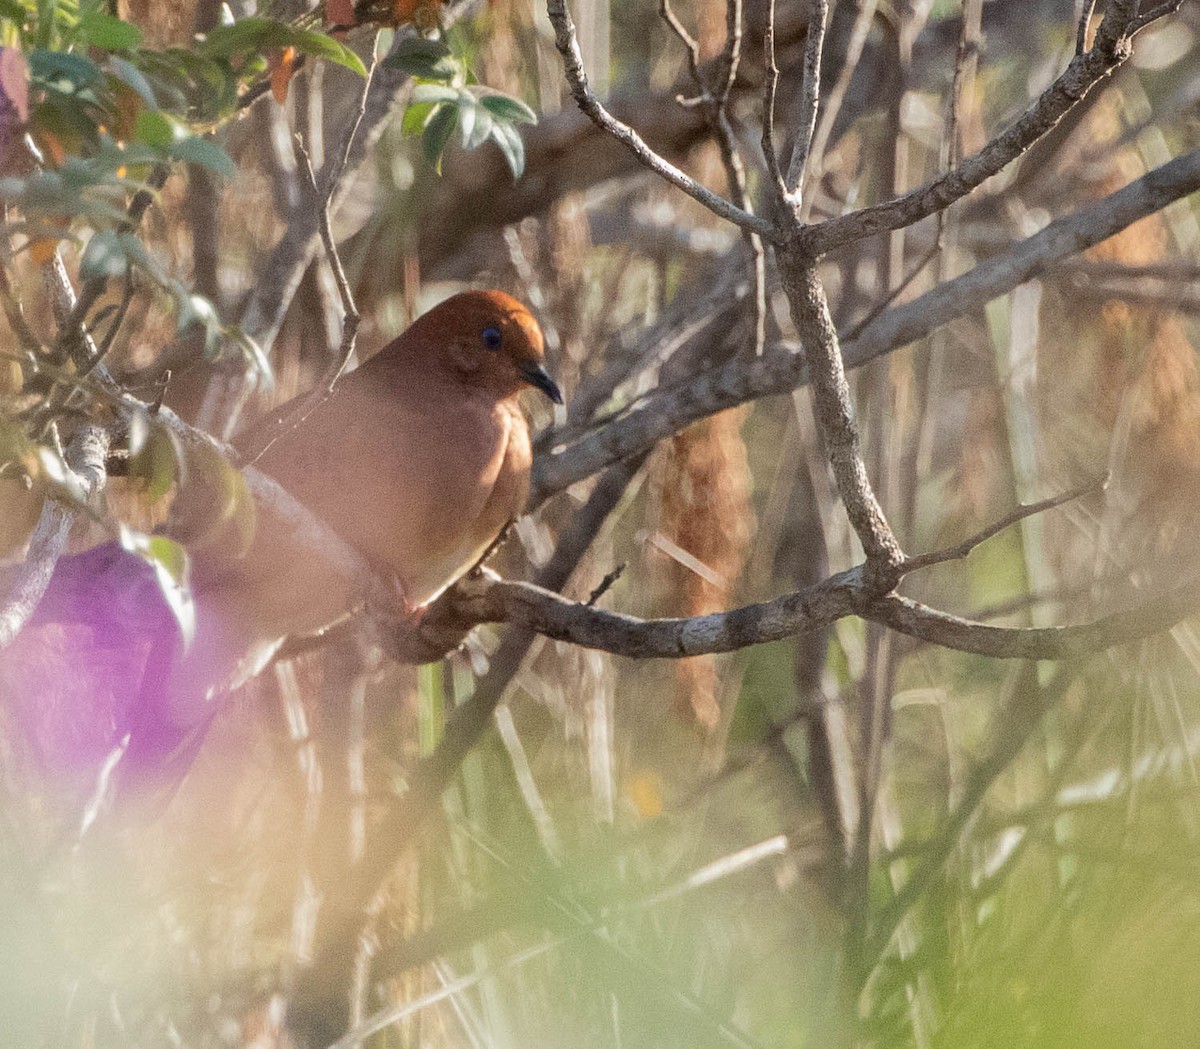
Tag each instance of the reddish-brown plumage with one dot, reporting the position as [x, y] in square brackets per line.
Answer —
[419, 459]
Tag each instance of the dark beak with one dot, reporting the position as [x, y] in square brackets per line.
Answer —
[536, 375]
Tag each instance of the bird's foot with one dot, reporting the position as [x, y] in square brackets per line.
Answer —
[414, 633]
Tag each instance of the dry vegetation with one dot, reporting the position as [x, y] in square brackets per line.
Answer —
[887, 826]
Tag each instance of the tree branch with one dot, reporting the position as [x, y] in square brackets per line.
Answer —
[568, 46]
[812, 608]
[835, 417]
[1111, 48]
[781, 370]
[810, 97]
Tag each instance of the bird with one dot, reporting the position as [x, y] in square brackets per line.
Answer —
[419, 458]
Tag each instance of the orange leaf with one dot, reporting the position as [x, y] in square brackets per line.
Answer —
[283, 68]
[339, 12]
[422, 12]
[51, 146]
[42, 249]
[645, 791]
[128, 105]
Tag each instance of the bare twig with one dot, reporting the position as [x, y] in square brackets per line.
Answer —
[814, 607]
[836, 96]
[113, 329]
[1081, 30]
[605, 584]
[810, 97]
[714, 103]
[14, 312]
[901, 287]
[731, 57]
[835, 417]
[568, 46]
[782, 369]
[351, 318]
[690, 46]
[1111, 49]
[1153, 15]
[961, 550]
[770, 86]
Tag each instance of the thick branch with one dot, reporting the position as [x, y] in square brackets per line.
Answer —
[782, 370]
[835, 415]
[812, 608]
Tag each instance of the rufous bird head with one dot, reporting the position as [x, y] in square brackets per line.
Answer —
[489, 339]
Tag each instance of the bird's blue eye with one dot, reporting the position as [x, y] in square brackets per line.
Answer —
[491, 338]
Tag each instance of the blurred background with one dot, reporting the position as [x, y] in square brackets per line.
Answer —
[847, 838]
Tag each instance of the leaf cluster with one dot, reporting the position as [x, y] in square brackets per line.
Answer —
[445, 100]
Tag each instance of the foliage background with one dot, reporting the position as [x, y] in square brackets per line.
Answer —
[651, 853]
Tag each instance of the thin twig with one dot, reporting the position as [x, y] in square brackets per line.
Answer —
[14, 311]
[1153, 15]
[731, 57]
[1081, 30]
[715, 108]
[961, 550]
[1110, 49]
[568, 46]
[898, 290]
[770, 86]
[351, 319]
[113, 329]
[836, 97]
[605, 584]
[810, 97]
[690, 46]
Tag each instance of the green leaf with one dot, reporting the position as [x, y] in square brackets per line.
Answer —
[480, 123]
[246, 34]
[321, 46]
[259, 34]
[128, 74]
[105, 257]
[156, 461]
[508, 138]
[416, 116]
[56, 68]
[435, 93]
[507, 109]
[154, 128]
[437, 134]
[170, 563]
[197, 150]
[419, 57]
[113, 34]
[12, 10]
